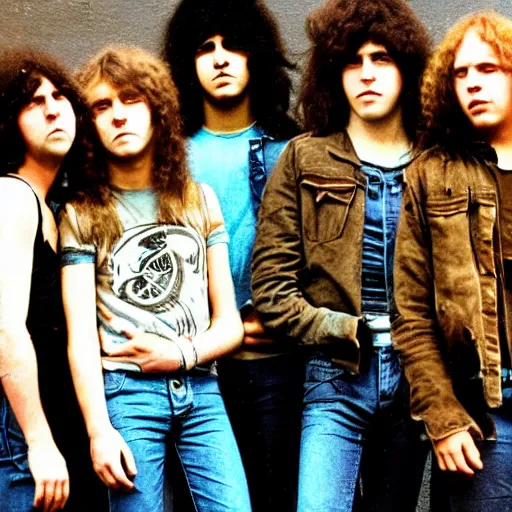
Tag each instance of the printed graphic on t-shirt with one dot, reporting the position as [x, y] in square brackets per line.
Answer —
[159, 268]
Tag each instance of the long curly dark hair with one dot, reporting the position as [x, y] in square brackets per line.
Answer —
[252, 28]
[179, 199]
[337, 30]
[445, 125]
[21, 71]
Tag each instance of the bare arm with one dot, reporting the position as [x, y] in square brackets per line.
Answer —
[18, 366]
[107, 447]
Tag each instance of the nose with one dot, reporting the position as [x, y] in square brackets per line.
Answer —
[472, 80]
[220, 57]
[118, 113]
[51, 109]
[367, 70]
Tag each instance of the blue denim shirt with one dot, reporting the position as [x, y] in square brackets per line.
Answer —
[236, 166]
[383, 199]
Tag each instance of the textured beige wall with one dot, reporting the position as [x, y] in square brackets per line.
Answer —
[75, 29]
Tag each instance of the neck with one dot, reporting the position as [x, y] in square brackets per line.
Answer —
[501, 141]
[227, 116]
[41, 175]
[134, 173]
[380, 142]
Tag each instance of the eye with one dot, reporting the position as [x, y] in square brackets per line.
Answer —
[100, 106]
[488, 68]
[460, 72]
[232, 45]
[129, 96]
[381, 58]
[37, 101]
[206, 47]
[57, 95]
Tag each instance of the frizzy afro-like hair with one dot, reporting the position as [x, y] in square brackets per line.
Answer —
[251, 28]
[337, 30]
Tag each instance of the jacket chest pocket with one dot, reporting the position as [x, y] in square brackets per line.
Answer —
[482, 224]
[325, 205]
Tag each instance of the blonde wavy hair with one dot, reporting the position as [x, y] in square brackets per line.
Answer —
[179, 199]
[444, 123]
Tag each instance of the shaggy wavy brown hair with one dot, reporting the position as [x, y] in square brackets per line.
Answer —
[444, 123]
[252, 29]
[21, 70]
[337, 30]
[179, 199]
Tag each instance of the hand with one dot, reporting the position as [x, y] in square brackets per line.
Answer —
[458, 453]
[152, 353]
[253, 328]
[50, 474]
[112, 460]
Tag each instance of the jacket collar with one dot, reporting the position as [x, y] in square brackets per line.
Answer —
[340, 147]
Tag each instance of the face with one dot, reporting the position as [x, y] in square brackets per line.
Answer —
[47, 123]
[482, 86]
[122, 118]
[372, 83]
[222, 70]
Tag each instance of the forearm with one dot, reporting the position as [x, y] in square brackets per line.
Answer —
[19, 379]
[87, 373]
[222, 337]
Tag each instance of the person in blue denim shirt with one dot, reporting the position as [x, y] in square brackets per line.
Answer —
[229, 65]
[148, 244]
[324, 251]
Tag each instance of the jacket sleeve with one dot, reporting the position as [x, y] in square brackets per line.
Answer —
[279, 264]
[415, 331]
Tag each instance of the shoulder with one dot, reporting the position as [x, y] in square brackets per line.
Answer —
[19, 211]
[212, 206]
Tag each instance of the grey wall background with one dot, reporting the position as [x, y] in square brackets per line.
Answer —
[76, 29]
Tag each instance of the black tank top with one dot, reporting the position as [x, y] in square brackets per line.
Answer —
[45, 319]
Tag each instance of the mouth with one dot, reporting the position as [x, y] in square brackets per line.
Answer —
[368, 93]
[56, 131]
[222, 75]
[121, 135]
[475, 104]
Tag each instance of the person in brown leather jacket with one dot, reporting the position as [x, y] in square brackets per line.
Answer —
[453, 265]
[323, 258]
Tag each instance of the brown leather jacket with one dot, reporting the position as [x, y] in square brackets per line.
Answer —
[306, 274]
[448, 270]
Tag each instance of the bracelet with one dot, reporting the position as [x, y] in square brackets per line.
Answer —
[183, 363]
[188, 351]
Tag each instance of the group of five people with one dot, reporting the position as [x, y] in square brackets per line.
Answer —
[366, 283]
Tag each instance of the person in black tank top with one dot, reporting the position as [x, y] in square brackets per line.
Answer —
[43, 443]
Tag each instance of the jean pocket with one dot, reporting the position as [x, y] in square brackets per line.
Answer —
[323, 379]
[113, 382]
[12, 443]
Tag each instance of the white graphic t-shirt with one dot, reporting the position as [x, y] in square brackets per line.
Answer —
[155, 277]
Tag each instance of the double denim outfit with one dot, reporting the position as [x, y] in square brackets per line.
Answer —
[344, 412]
[263, 393]
[322, 257]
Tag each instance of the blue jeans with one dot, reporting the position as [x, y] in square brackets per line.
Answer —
[264, 400]
[16, 482]
[151, 411]
[491, 488]
[358, 425]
